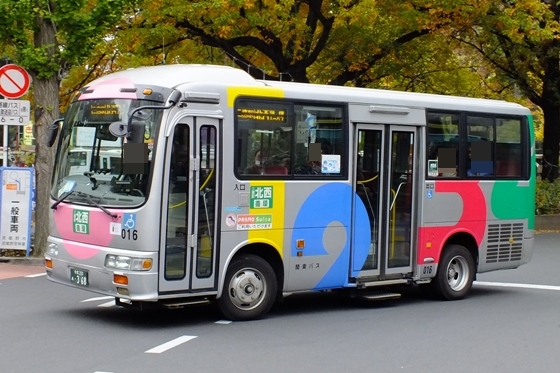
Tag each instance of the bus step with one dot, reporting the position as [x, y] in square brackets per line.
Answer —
[379, 295]
[185, 303]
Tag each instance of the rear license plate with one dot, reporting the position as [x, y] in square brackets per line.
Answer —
[79, 277]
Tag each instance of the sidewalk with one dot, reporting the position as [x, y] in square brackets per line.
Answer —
[18, 267]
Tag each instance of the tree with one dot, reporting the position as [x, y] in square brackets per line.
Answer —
[47, 38]
[281, 40]
[520, 40]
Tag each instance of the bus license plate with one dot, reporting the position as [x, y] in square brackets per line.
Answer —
[79, 277]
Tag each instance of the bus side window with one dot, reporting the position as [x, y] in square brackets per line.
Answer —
[480, 146]
[443, 145]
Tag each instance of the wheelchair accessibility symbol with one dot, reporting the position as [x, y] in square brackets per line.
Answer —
[429, 194]
[129, 221]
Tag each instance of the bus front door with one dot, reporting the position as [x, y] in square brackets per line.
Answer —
[188, 244]
[383, 219]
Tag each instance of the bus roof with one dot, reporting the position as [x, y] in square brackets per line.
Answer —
[175, 75]
[397, 98]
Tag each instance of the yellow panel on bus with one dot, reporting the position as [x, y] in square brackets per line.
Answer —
[234, 92]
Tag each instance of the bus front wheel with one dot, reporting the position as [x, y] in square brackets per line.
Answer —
[455, 274]
[249, 289]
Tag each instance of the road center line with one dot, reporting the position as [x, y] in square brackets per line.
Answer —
[521, 286]
[169, 345]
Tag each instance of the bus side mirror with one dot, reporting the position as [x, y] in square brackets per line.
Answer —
[118, 129]
[55, 126]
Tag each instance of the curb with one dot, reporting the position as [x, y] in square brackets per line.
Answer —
[547, 222]
[23, 261]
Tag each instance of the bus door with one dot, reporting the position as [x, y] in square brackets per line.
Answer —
[382, 244]
[188, 243]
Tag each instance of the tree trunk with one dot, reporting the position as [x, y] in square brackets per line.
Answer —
[551, 141]
[46, 98]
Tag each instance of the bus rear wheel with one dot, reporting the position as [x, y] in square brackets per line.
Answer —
[249, 289]
[455, 274]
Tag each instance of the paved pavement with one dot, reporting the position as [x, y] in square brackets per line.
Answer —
[12, 267]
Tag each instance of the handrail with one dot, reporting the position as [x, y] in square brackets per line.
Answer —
[200, 190]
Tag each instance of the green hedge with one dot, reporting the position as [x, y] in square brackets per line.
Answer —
[548, 197]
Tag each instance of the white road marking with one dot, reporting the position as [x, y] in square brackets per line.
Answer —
[520, 286]
[37, 275]
[169, 345]
[223, 322]
[108, 304]
[96, 299]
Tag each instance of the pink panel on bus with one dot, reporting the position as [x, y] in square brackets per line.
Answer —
[98, 230]
[110, 89]
[472, 221]
[79, 251]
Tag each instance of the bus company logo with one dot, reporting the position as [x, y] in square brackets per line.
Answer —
[261, 197]
[11, 186]
[246, 222]
[80, 221]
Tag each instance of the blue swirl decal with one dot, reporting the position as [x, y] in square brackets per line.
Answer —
[330, 205]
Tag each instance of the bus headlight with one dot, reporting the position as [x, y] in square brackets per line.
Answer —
[52, 249]
[128, 263]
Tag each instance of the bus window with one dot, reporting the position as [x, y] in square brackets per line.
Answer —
[279, 138]
[480, 146]
[264, 138]
[176, 237]
[443, 144]
[508, 154]
[319, 142]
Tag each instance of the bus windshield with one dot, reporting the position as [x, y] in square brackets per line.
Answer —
[93, 158]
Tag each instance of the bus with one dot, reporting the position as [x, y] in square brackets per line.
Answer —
[237, 191]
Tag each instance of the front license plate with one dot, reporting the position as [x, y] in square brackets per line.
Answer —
[79, 277]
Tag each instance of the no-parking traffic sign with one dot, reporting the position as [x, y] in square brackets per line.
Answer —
[14, 81]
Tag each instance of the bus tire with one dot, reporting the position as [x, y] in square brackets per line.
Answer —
[249, 289]
[455, 274]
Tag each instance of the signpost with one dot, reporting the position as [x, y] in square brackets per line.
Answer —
[16, 204]
[14, 83]
[15, 112]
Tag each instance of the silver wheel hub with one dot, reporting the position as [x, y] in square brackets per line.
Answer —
[457, 273]
[246, 289]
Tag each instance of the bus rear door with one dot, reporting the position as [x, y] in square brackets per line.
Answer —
[382, 247]
[188, 243]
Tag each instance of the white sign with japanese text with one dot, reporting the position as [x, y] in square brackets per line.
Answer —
[15, 196]
[15, 112]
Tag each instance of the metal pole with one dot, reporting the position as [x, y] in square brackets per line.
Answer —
[5, 150]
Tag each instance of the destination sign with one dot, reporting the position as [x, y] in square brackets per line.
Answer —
[269, 115]
[105, 112]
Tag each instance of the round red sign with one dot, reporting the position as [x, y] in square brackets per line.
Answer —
[14, 81]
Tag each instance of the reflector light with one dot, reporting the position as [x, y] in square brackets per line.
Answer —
[120, 279]
[147, 264]
[48, 263]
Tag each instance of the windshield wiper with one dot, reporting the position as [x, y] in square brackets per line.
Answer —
[58, 201]
[88, 198]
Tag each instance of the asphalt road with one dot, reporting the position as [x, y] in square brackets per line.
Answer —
[510, 323]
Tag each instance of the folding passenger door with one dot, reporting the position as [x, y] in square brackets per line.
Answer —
[189, 210]
[383, 218]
